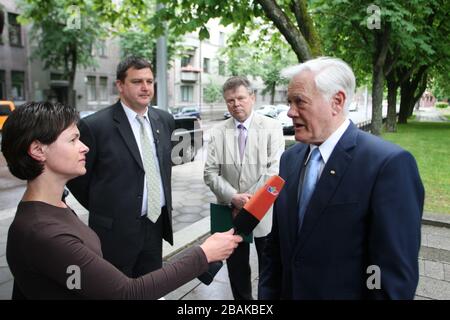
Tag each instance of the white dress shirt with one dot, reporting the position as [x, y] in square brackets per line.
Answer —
[135, 127]
[327, 147]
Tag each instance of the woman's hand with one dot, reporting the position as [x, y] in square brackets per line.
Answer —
[220, 245]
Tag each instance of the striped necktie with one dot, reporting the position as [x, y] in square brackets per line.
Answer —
[151, 173]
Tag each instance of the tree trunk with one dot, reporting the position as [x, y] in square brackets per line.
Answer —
[306, 26]
[378, 61]
[272, 94]
[290, 32]
[71, 99]
[406, 94]
[377, 100]
[419, 92]
[407, 91]
[392, 84]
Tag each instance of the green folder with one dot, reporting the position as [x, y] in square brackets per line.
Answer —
[221, 220]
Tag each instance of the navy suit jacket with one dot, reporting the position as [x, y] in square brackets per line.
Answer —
[366, 210]
[111, 190]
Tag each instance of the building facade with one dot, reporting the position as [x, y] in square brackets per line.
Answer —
[24, 79]
[202, 66]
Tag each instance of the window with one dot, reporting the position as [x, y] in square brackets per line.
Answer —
[221, 68]
[186, 60]
[15, 34]
[222, 39]
[91, 92]
[103, 88]
[2, 25]
[206, 65]
[101, 48]
[18, 85]
[187, 93]
[2, 85]
[57, 77]
[92, 49]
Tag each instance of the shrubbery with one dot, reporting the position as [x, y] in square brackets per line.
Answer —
[441, 105]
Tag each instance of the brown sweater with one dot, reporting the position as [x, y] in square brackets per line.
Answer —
[44, 240]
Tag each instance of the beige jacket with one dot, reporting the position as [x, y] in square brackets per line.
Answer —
[226, 175]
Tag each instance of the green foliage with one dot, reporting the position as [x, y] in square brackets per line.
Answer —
[441, 105]
[212, 92]
[289, 143]
[427, 142]
[143, 44]
[258, 58]
[184, 16]
[63, 30]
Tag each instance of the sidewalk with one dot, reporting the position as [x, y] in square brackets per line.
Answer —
[429, 114]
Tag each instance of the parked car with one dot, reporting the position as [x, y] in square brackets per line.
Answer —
[353, 106]
[286, 122]
[227, 114]
[281, 107]
[187, 112]
[268, 111]
[168, 109]
[6, 108]
[85, 113]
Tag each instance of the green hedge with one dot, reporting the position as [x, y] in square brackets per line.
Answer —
[289, 143]
[441, 105]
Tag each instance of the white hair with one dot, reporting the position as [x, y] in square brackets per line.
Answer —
[330, 75]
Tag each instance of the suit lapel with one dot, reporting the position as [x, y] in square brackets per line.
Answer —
[329, 181]
[155, 123]
[255, 141]
[124, 128]
[232, 144]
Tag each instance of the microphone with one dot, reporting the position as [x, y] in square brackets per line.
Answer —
[249, 217]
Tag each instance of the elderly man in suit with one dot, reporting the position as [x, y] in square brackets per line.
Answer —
[127, 187]
[243, 152]
[347, 223]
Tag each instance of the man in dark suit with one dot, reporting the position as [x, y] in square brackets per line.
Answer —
[347, 223]
[127, 187]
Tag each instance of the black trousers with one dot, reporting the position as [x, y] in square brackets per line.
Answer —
[149, 257]
[239, 271]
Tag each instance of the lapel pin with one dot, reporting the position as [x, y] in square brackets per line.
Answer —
[332, 172]
[157, 130]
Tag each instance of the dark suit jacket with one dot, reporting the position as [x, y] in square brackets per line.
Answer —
[111, 190]
[367, 213]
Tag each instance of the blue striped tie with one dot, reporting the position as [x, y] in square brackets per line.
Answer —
[309, 182]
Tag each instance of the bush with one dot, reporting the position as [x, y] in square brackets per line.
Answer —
[289, 143]
[441, 105]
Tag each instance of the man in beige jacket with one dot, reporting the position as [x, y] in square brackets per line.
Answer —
[243, 152]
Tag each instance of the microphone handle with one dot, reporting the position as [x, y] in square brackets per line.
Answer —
[214, 267]
[209, 275]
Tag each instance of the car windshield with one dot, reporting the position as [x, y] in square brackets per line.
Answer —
[4, 110]
[189, 110]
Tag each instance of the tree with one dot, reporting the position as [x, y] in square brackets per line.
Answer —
[389, 37]
[291, 18]
[212, 92]
[264, 57]
[142, 43]
[64, 34]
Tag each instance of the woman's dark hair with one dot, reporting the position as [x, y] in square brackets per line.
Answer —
[41, 121]
[131, 62]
